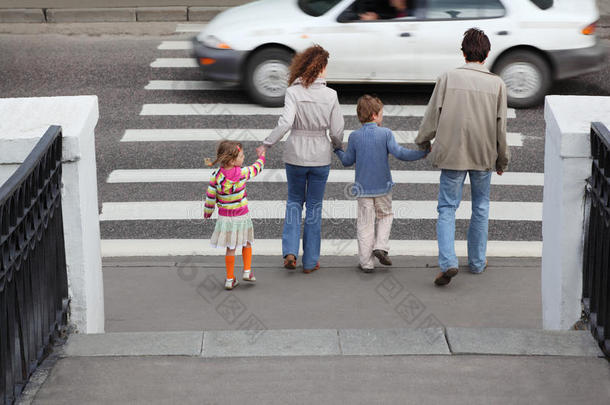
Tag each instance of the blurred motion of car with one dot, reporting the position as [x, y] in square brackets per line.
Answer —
[533, 42]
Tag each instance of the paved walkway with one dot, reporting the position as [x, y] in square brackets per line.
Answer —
[328, 380]
[337, 335]
[165, 294]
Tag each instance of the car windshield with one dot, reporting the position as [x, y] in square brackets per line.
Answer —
[317, 8]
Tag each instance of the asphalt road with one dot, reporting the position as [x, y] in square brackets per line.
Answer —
[117, 68]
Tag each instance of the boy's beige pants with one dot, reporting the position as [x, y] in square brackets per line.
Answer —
[373, 234]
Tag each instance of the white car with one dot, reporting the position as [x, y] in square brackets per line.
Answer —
[533, 42]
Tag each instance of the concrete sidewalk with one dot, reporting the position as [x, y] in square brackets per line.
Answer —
[336, 336]
[418, 380]
[186, 293]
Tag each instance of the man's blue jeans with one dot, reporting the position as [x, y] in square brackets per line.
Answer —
[449, 198]
[305, 185]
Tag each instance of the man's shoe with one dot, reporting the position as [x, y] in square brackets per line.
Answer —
[290, 262]
[382, 256]
[443, 278]
[366, 269]
[307, 271]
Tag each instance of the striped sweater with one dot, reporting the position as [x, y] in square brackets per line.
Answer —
[227, 189]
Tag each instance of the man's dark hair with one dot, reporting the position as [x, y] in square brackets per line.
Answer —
[475, 45]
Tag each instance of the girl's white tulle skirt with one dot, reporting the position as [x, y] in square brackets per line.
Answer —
[232, 232]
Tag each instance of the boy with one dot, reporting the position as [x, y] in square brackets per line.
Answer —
[369, 147]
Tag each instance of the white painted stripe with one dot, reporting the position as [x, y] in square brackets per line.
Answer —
[332, 209]
[330, 247]
[336, 176]
[174, 63]
[190, 27]
[188, 85]
[252, 109]
[176, 46]
[255, 135]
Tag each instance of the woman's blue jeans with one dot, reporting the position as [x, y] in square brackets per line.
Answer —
[449, 198]
[305, 185]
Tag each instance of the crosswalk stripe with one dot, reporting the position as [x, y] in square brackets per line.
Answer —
[175, 45]
[252, 109]
[335, 176]
[188, 85]
[332, 209]
[245, 135]
[329, 247]
[174, 63]
[190, 27]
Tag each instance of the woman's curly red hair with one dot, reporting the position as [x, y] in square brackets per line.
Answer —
[308, 65]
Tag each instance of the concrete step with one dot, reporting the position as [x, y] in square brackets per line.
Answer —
[333, 380]
[336, 342]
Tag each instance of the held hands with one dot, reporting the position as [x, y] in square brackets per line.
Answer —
[261, 150]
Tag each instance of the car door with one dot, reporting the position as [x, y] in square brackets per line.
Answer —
[353, 44]
[353, 48]
[441, 28]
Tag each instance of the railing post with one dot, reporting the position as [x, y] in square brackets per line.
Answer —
[567, 165]
[78, 118]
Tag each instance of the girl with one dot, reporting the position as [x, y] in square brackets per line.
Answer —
[227, 189]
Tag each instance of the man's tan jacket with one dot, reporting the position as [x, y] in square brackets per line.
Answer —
[467, 116]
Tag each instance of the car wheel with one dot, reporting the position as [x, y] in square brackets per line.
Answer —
[527, 76]
[266, 76]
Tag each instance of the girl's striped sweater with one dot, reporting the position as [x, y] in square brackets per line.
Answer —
[227, 189]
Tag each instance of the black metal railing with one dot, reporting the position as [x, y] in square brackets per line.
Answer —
[33, 278]
[596, 266]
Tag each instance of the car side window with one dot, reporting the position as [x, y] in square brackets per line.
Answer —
[317, 8]
[380, 10]
[463, 9]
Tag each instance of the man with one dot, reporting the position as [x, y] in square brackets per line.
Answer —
[382, 9]
[467, 116]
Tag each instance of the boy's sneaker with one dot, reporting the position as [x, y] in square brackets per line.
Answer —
[248, 276]
[366, 269]
[382, 256]
[231, 283]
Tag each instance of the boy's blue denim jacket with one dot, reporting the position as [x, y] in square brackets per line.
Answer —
[369, 147]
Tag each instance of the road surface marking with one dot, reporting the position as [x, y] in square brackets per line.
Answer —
[174, 63]
[188, 85]
[252, 109]
[255, 135]
[332, 209]
[335, 176]
[176, 45]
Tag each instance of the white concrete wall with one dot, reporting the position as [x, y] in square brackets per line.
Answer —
[22, 122]
[567, 165]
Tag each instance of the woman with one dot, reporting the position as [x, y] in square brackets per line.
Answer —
[310, 110]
